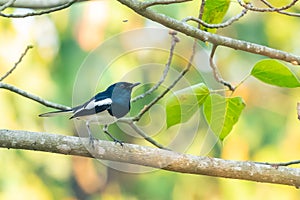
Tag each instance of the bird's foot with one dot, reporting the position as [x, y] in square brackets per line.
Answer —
[118, 141]
[92, 141]
[112, 137]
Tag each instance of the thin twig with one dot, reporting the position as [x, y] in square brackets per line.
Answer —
[50, 10]
[286, 7]
[154, 101]
[215, 70]
[200, 15]
[16, 64]
[174, 41]
[241, 82]
[221, 25]
[26, 94]
[298, 110]
[141, 132]
[280, 8]
[146, 137]
[33, 97]
[294, 162]
[187, 68]
[37, 4]
[149, 3]
[289, 13]
[6, 5]
[147, 107]
[271, 8]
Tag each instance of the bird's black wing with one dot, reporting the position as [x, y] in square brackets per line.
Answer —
[92, 107]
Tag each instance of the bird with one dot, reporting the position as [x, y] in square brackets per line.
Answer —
[104, 108]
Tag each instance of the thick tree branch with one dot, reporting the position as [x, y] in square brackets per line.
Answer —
[189, 30]
[152, 157]
[62, 107]
[141, 155]
[139, 7]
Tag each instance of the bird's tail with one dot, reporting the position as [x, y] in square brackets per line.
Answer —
[55, 113]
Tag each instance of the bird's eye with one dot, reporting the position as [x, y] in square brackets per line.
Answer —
[122, 85]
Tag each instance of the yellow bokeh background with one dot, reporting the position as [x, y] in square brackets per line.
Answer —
[267, 131]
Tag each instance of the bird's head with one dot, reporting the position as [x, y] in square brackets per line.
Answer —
[121, 89]
[122, 86]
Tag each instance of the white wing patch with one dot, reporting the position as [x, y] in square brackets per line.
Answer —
[92, 104]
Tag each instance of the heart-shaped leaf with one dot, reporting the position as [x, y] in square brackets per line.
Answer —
[183, 104]
[222, 113]
[214, 12]
[275, 73]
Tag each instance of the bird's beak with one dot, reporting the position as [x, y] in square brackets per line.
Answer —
[135, 84]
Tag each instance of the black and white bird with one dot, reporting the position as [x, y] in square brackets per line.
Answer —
[105, 108]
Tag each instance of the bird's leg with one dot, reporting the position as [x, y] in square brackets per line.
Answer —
[91, 137]
[105, 130]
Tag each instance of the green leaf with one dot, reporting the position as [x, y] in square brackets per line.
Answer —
[183, 104]
[222, 113]
[275, 73]
[214, 12]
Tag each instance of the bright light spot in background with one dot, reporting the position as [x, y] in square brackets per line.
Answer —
[90, 30]
[40, 32]
[46, 38]
[15, 41]
[32, 74]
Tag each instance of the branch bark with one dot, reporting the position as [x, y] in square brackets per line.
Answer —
[32, 97]
[141, 7]
[215, 39]
[37, 4]
[147, 156]
[151, 157]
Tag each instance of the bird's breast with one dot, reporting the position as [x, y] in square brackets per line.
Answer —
[119, 109]
[101, 118]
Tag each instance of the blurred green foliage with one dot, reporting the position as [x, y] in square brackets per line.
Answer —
[267, 130]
